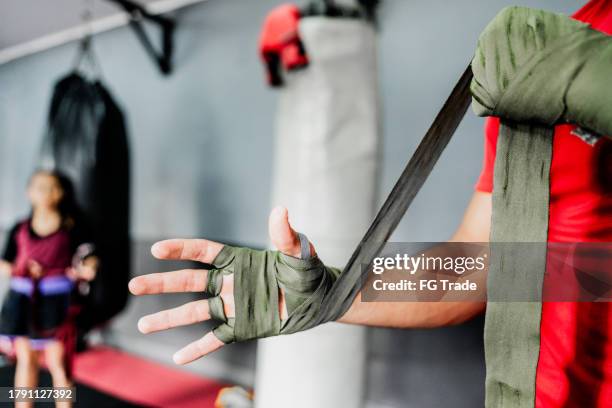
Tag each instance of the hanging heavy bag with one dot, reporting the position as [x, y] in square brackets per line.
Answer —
[86, 140]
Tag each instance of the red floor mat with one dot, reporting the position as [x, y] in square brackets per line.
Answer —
[143, 382]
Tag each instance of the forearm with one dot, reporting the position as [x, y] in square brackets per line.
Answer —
[475, 227]
[411, 315]
[437, 308]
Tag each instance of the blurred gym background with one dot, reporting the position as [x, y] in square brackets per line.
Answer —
[201, 141]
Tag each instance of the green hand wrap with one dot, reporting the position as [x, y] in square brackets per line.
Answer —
[258, 277]
[534, 66]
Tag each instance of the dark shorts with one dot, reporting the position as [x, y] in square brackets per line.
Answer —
[35, 317]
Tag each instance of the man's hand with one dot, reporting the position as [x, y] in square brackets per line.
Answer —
[284, 238]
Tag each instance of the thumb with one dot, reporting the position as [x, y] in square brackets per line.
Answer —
[282, 235]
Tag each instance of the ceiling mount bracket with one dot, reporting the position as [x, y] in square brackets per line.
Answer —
[137, 14]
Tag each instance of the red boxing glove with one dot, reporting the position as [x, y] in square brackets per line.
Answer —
[280, 44]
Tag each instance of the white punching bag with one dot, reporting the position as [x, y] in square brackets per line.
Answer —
[326, 167]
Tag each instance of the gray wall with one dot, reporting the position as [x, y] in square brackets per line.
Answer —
[202, 141]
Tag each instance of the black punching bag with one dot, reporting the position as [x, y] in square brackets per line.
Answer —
[86, 140]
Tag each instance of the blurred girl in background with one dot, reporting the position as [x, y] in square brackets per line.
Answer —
[49, 258]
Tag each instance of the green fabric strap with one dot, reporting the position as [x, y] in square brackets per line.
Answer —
[520, 214]
[533, 69]
[258, 276]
